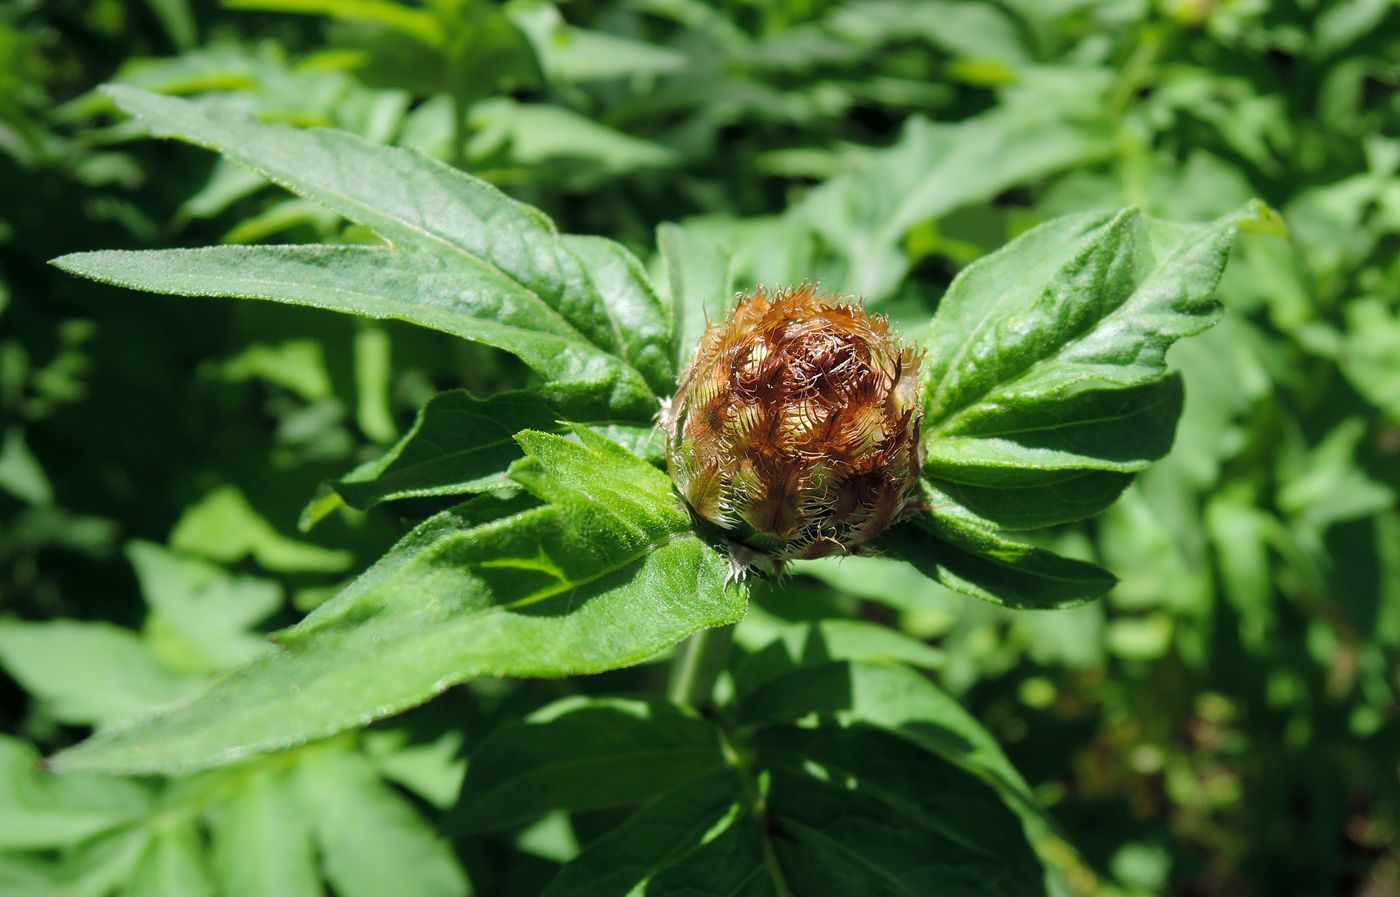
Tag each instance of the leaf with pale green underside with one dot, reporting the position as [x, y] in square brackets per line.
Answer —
[262, 840]
[173, 865]
[461, 257]
[89, 673]
[1046, 390]
[370, 838]
[43, 812]
[583, 754]
[605, 573]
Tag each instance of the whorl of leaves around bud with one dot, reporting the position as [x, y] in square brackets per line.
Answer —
[796, 426]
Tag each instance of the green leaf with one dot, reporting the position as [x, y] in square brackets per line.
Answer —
[968, 554]
[583, 754]
[1369, 357]
[21, 475]
[1121, 431]
[865, 812]
[536, 134]
[701, 285]
[177, 19]
[577, 55]
[1046, 390]
[40, 811]
[729, 859]
[262, 842]
[89, 673]
[933, 169]
[651, 840]
[829, 810]
[464, 258]
[223, 526]
[779, 649]
[1082, 303]
[607, 574]
[892, 697]
[371, 840]
[459, 444]
[416, 23]
[173, 865]
[211, 610]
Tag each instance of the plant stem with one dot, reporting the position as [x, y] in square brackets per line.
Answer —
[698, 665]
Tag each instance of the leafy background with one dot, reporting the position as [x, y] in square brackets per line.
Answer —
[1225, 722]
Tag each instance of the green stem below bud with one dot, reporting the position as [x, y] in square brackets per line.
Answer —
[697, 665]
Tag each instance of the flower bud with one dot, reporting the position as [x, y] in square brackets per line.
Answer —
[796, 426]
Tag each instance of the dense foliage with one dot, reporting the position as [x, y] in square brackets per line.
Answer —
[179, 478]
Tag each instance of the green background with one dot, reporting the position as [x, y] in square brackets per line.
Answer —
[1225, 722]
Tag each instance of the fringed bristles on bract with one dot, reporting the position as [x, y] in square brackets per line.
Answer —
[796, 426]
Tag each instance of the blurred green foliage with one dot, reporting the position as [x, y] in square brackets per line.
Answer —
[1226, 722]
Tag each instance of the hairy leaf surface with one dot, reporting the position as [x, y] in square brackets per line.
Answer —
[1046, 390]
[604, 574]
[462, 258]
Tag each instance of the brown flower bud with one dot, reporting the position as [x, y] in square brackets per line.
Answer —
[796, 426]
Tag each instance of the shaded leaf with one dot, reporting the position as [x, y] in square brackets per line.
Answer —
[582, 754]
[890, 697]
[459, 444]
[651, 840]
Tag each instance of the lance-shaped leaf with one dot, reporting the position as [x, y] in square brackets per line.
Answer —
[604, 574]
[462, 258]
[1028, 341]
[1046, 391]
[969, 554]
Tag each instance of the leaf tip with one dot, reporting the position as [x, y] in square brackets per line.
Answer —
[66, 262]
[1258, 217]
[533, 440]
